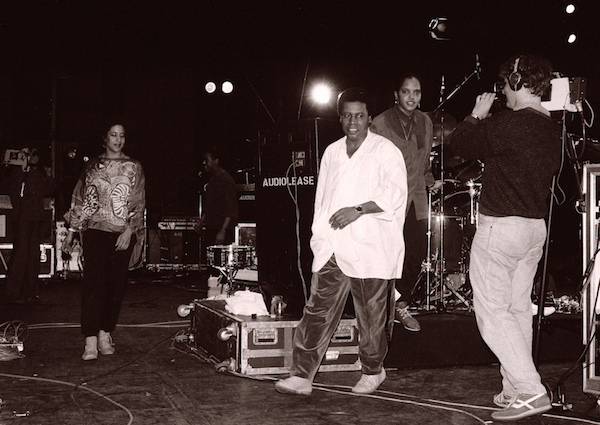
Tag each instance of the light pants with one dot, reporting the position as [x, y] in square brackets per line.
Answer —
[504, 259]
[323, 311]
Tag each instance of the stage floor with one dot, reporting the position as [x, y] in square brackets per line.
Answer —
[441, 375]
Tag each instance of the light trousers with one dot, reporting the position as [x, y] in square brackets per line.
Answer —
[322, 314]
[504, 258]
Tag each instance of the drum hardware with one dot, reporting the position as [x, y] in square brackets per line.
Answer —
[446, 276]
[474, 189]
[228, 259]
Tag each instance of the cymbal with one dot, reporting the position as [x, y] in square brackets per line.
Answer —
[472, 171]
[449, 122]
[450, 159]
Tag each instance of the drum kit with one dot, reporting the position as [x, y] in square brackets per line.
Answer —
[228, 259]
[443, 283]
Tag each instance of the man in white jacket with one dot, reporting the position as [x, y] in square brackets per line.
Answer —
[358, 247]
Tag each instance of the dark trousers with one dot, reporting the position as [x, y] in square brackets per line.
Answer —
[323, 311]
[105, 281]
[24, 264]
[415, 240]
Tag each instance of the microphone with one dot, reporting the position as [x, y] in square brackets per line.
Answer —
[477, 66]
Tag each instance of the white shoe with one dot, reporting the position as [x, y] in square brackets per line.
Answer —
[91, 348]
[367, 384]
[294, 385]
[105, 343]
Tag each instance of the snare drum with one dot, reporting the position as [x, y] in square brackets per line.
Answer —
[237, 256]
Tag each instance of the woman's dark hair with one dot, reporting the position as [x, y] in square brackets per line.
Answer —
[407, 76]
[536, 72]
[107, 124]
[354, 94]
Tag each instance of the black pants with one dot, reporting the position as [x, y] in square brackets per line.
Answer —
[415, 239]
[105, 281]
[24, 264]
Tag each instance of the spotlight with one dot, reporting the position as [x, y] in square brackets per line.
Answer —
[438, 27]
[227, 87]
[321, 94]
[570, 8]
[210, 87]
[572, 38]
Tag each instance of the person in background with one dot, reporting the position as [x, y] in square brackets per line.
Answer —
[107, 208]
[412, 132]
[220, 203]
[28, 185]
[359, 212]
[521, 150]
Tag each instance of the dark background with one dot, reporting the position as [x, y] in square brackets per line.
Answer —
[64, 65]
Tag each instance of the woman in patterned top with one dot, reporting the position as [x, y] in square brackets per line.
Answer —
[107, 208]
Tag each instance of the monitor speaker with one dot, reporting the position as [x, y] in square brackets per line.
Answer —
[289, 155]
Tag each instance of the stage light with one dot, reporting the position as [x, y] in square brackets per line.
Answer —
[438, 27]
[321, 94]
[572, 38]
[210, 87]
[227, 87]
[570, 8]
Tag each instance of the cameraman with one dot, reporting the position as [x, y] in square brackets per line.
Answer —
[28, 185]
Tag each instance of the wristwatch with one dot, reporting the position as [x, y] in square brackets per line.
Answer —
[359, 209]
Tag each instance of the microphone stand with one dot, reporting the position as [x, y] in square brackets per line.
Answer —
[441, 219]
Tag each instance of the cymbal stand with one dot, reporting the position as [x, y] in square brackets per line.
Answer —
[426, 266]
[440, 264]
[474, 207]
[229, 272]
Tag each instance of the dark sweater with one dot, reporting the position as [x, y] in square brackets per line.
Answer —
[521, 151]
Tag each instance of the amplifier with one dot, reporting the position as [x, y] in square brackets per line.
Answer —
[177, 223]
[7, 232]
[46, 259]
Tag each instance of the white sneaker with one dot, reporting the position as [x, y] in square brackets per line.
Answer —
[91, 348]
[294, 385]
[105, 343]
[367, 384]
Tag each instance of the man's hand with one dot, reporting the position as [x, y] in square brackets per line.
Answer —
[483, 104]
[344, 217]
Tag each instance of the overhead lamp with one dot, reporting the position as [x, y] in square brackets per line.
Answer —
[321, 94]
[438, 27]
[227, 87]
[210, 87]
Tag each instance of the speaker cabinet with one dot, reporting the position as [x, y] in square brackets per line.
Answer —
[289, 154]
[7, 221]
[46, 259]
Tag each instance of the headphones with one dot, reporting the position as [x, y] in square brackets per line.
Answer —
[514, 79]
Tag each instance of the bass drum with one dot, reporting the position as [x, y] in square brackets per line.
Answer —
[460, 204]
[452, 227]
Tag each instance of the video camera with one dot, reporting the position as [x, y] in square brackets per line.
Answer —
[18, 156]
